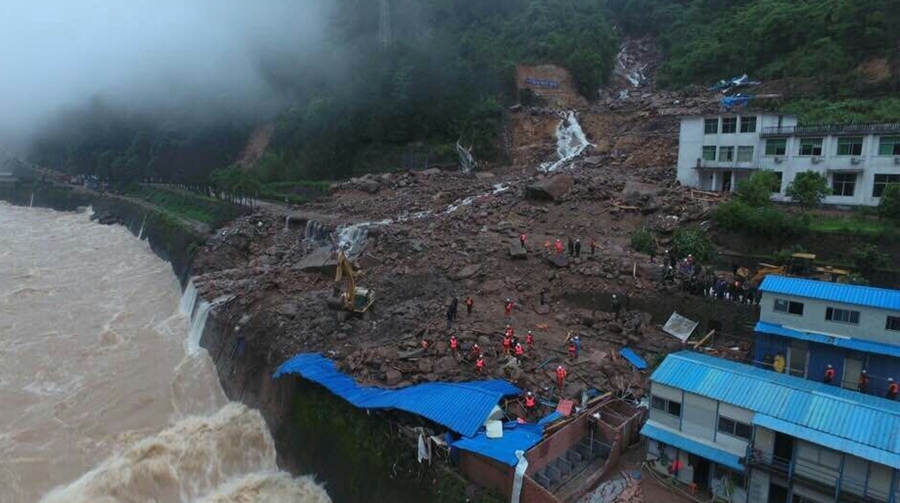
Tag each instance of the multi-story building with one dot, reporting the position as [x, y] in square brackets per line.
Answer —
[859, 160]
[750, 435]
[805, 325]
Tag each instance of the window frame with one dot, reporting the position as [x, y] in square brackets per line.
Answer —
[845, 141]
[816, 144]
[748, 121]
[843, 184]
[730, 121]
[706, 150]
[782, 142]
[733, 430]
[879, 186]
[789, 306]
[838, 315]
[667, 405]
[894, 143]
[744, 148]
[896, 324]
[723, 149]
[706, 125]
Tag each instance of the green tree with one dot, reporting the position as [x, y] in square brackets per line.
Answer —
[808, 189]
[693, 241]
[867, 258]
[889, 207]
[643, 241]
[756, 191]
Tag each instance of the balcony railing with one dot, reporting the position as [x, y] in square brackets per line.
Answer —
[831, 129]
[770, 461]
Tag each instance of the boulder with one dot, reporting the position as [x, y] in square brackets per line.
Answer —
[468, 271]
[516, 250]
[542, 309]
[558, 260]
[445, 365]
[550, 189]
[393, 377]
[369, 186]
[426, 365]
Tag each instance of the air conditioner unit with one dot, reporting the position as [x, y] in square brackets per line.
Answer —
[816, 160]
[855, 160]
[779, 160]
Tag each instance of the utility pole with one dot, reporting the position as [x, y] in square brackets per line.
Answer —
[384, 31]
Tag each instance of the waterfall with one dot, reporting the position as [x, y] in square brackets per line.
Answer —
[352, 238]
[31, 204]
[141, 232]
[466, 161]
[316, 232]
[188, 299]
[287, 223]
[198, 324]
[570, 142]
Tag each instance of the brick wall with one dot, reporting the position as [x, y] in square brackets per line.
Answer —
[486, 472]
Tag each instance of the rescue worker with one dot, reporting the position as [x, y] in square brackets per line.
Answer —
[451, 314]
[529, 341]
[479, 364]
[454, 343]
[469, 305]
[507, 343]
[522, 239]
[616, 305]
[573, 350]
[559, 247]
[520, 351]
[509, 308]
[577, 346]
[560, 377]
[893, 389]
[593, 246]
[530, 404]
[578, 248]
[510, 331]
[476, 351]
[829, 374]
[863, 381]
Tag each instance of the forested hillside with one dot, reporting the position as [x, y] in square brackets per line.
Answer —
[444, 71]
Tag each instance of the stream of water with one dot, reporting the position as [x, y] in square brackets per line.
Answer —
[106, 395]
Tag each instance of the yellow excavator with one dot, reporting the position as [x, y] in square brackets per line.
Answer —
[801, 265]
[353, 299]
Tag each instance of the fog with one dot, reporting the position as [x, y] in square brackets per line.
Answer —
[204, 57]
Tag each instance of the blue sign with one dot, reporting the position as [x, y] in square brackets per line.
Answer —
[551, 84]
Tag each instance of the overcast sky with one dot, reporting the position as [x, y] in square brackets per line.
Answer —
[145, 54]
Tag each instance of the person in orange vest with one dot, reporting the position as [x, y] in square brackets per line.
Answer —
[522, 239]
[829, 374]
[507, 343]
[469, 305]
[510, 331]
[559, 247]
[863, 384]
[479, 364]
[529, 341]
[893, 389]
[476, 351]
[509, 309]
[520, 351]
[560, 377]
[454, 343]
[530, 404]
[573, 351]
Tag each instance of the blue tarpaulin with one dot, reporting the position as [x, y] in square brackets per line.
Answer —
[516, 437]
[736, 101]
[633, 358]
[461, 407]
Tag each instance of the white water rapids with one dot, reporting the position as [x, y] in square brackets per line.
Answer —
[106, 396]
[570, 142]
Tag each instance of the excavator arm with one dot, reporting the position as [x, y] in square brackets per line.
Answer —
[345, 271]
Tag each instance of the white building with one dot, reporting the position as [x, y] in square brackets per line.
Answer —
[749, 435]
[715, 153]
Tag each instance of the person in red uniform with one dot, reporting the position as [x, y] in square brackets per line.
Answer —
[476, 351]
[507, 343]
[829, 374]
[469, 305]
[509, 308]
[893, 389]
[529, 341]
[573, 350]
[522, 239]
[559, 247]
[593, 245]
[560, 377]
[454, 343]
[510, 331]
[520, 351]
[530, 404]
[479, 364]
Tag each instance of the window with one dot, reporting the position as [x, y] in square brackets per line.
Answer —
[669, 406]
[729, 125]
[735, 428]
[748, 124]
[776, 187]
[789, 306]
[843, 184]
[798, 357]
[745, 154]
[711, 126]
[889, 145]
[893, 323]
[850, 146]
[811, 146]
[842, 315]
[709, 153]
[882, 181]
[726, 154]
[776, 147]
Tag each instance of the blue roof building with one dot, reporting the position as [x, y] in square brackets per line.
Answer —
[755, 436]
[807, 325]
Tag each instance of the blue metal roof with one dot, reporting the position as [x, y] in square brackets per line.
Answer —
[815, 409]
[461, 407]
[841, 342]
[633, 358]
[675, 439]
[516, 437]
[836, 292]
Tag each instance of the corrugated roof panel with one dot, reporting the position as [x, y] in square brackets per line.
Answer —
[516, 437]
[675, 439]
[461, 407]
[633, 358]
[853, 417]
[881, 298]
[846, 343]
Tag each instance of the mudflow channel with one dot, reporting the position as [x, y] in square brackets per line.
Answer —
[104, 395]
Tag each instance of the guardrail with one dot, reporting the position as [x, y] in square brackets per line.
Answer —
[831, 129]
